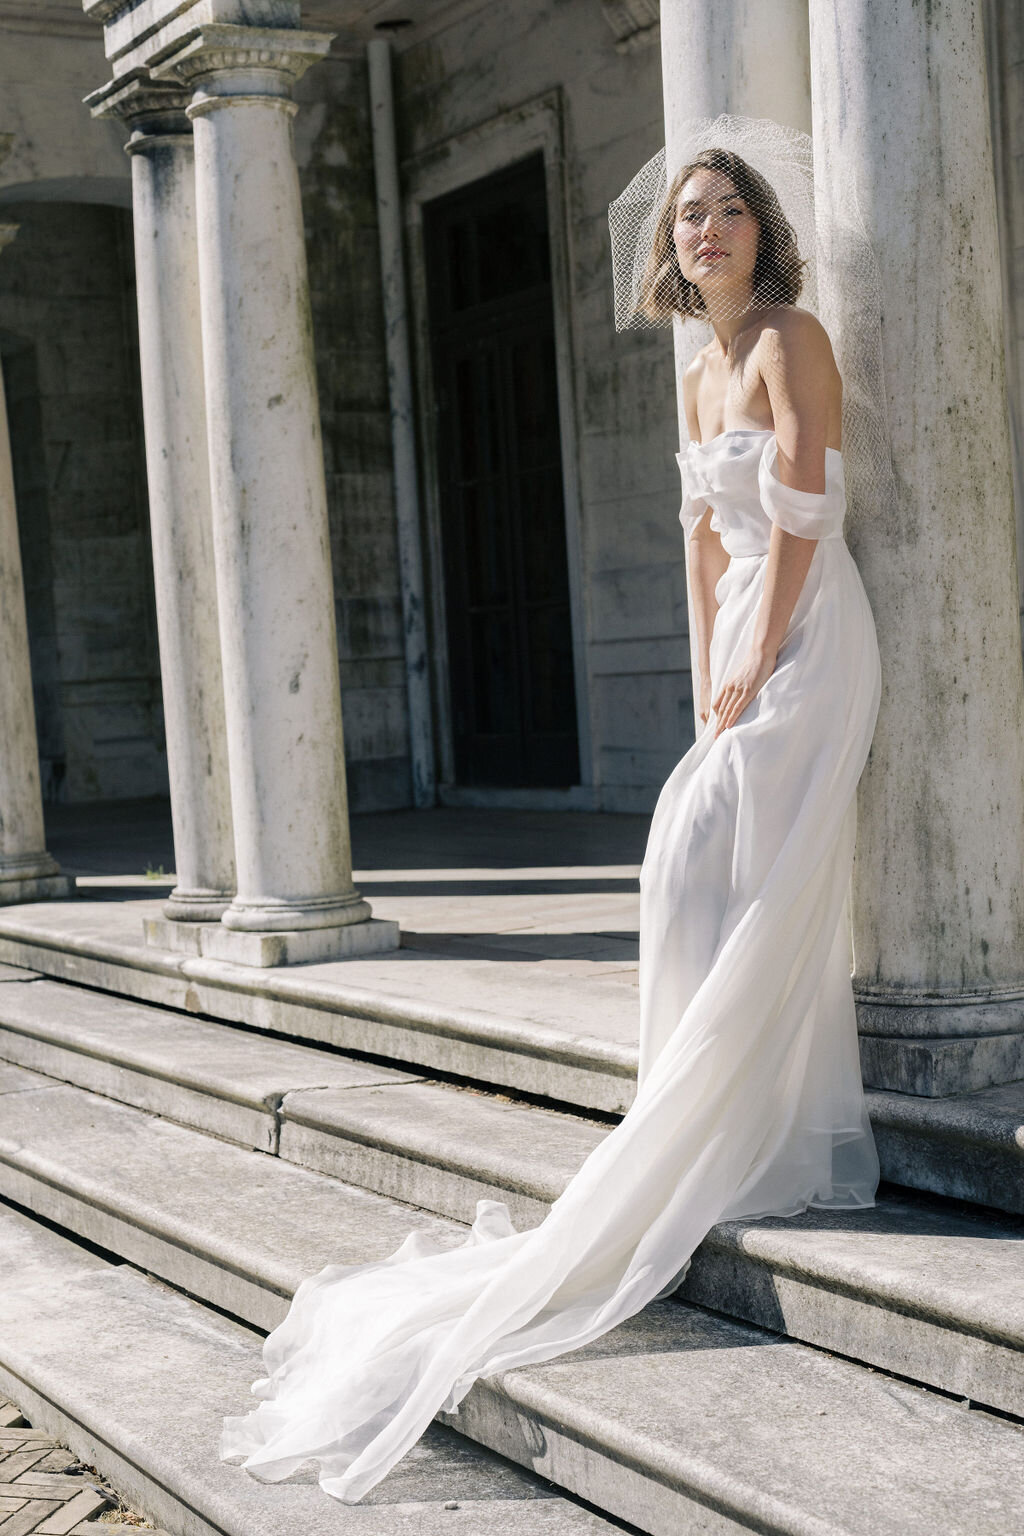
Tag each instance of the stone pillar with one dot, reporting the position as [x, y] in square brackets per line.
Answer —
[740, 56]
[174, 408]
[295, 900]
[900, 113]
[27, 871]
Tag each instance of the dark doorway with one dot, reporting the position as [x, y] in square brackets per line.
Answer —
[500, 467]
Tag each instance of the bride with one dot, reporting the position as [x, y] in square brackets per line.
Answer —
[749, 1096]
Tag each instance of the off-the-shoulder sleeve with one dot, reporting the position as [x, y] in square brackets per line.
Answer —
[694, 490]
[810, 514]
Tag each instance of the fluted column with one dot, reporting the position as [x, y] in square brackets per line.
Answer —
[900, 113]
[272, 549]
[738, 56]
[174, 408]
[27, 871]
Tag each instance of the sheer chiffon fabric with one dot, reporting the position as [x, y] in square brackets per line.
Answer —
[749, 1101]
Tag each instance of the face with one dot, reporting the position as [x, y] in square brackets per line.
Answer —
[715, 234]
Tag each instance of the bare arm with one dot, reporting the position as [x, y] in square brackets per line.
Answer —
[708, 563]
[803, 386]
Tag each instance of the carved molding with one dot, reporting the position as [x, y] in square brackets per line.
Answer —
[150, 106]
[635, 23]
[224, 49]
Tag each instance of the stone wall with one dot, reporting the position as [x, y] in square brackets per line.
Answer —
[335, 155]
[461, 77]
[70, 354]
[624, 385]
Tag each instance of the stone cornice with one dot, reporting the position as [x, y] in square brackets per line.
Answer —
[223, 49]
[102, 10]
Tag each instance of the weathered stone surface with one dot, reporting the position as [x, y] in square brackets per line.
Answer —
[970, 1146]
[136, 1378]
[569, 1037]
[232, 1226]
[438, 1147]
[942, 1068]
[916, 1288]
[696, 1423]
[223, 1081]
[919, 1288]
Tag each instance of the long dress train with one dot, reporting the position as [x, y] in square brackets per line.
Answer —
[749, 1101]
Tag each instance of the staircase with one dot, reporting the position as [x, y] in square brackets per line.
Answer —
[169, 1179]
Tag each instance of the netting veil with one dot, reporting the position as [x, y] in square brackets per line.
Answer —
[812, 249]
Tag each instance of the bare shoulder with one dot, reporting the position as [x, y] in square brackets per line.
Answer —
[796, 336]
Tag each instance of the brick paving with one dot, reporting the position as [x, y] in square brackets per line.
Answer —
[45, 1491]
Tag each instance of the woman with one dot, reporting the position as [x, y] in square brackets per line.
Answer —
[749, 1099]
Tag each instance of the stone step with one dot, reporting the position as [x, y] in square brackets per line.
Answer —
[676, 1422]
[136, 1377]
[233, 1083]
[919, 1288]
[222, 1080]
[564, 1037]
[571, 1044]
[970, 1147]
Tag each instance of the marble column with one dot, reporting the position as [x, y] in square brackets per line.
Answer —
[740, 56]
[27, 871]
[174, 409]
[900, 113]
[296, 900]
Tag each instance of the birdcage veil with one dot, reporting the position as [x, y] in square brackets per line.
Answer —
[815, 251]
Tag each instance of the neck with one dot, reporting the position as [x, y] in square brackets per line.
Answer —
[729, 314]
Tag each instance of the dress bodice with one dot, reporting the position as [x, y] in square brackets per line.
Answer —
[735, 473]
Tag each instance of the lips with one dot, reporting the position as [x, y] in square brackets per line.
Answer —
[710, 252]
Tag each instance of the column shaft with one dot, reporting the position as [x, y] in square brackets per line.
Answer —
[27, 871]
[170, 344]
[900, 113]
[271, 537]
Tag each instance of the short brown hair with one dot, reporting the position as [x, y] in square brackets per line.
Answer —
[778, 270]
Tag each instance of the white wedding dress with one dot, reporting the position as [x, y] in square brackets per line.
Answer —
[750, 1099]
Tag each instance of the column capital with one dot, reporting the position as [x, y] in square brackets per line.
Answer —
[223, 60]
[145, 105]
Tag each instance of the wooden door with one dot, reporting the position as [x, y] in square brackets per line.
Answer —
[499, 455]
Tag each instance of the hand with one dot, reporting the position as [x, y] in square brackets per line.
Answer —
[704, 707]
[743, 686]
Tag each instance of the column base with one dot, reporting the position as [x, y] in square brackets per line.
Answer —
[301, 946]
[197, 906]
[15, 890]
[919, 1050]
[270, 916]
